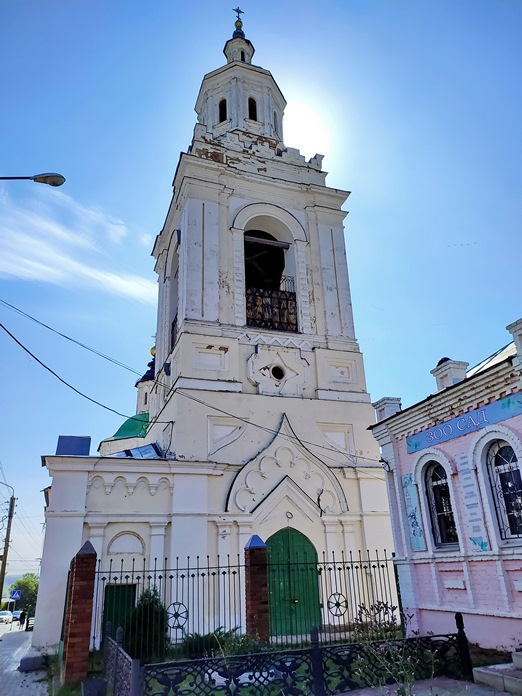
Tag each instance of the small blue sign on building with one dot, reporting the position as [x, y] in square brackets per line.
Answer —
[16, 594]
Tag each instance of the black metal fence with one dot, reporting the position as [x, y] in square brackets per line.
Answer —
[318, 669]
[199, 600]
[343, 597]
[121, 671]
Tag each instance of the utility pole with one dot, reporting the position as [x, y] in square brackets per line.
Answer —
[6, 544]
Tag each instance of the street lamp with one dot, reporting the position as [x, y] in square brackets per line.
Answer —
[50, 178]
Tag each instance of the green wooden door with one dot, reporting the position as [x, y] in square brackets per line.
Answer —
[119, 600]
[293, 584]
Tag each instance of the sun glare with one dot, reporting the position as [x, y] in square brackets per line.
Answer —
[306, 129]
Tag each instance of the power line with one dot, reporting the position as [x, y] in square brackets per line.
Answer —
[206, 404]
[20, 521]
[63, 381]
[25, 516]
[276, 432]
[69, 338]
[2, 472]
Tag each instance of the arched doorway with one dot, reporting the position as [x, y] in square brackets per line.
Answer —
[293, 584]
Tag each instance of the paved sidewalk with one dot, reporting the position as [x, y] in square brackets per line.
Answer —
[440, 686]
[13, 646]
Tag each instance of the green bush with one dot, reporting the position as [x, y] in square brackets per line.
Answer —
[146, 628]
[219, 643]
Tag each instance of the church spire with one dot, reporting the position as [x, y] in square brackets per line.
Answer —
[238, 48]
[239, 33]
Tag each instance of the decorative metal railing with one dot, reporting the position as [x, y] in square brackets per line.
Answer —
[338, 595]
[118, 668]
[199, 596]
[273, 309]
[318, 669]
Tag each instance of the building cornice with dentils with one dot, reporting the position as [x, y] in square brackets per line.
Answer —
[492, 384]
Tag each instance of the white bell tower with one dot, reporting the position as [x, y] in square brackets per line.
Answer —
[253, 416]
[259, 401]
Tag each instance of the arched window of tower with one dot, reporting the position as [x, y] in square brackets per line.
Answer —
[252, 109]
[222, 110]
[242, 56]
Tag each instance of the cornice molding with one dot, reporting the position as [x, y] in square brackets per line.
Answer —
[470, 394]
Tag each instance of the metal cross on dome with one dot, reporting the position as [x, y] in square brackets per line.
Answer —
[238, 12]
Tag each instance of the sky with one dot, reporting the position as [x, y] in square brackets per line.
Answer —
[416, 105]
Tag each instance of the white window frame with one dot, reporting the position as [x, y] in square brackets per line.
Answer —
[428, 457]
[498, 488]
[479, 457]
[433, 513]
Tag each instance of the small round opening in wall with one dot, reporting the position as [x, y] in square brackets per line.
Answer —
[277, 373]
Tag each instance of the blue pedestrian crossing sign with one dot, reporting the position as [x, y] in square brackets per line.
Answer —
[16, 594]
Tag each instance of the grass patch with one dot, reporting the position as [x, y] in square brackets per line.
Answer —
[482, 657]
[75, 689]
[70, 690]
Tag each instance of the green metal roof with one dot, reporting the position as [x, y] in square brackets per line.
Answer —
[133, 427]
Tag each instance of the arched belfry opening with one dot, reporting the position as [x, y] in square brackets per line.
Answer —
[252, 109]
[264, 262]
[270, 293]
[222, 110]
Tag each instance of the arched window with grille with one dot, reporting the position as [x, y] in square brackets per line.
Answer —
[439, 501]
[506, 487]
[270, 293]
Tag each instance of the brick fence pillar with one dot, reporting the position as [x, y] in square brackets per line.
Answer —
[256, 589]
[78, 615]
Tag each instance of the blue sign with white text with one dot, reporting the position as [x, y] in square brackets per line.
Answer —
[467, 423]
[16, 594]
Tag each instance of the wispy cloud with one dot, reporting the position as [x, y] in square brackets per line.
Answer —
[54, 239]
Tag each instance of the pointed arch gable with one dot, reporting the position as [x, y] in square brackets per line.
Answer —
[285, 457]
[287, 489]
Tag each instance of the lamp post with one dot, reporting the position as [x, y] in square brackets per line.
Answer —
[50, 178]
[7, 537]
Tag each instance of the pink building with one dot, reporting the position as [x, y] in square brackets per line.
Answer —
[453, 465]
